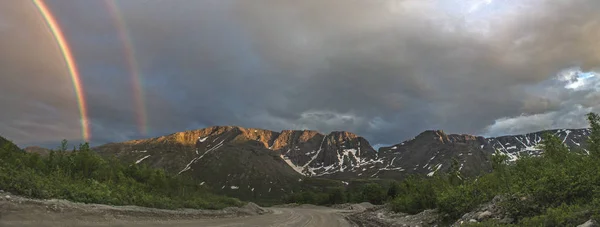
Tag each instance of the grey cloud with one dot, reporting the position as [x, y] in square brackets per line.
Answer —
[382, 69]
[462, 79]
[569, 111]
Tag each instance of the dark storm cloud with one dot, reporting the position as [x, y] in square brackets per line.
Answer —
[383, 69]
[406, 68]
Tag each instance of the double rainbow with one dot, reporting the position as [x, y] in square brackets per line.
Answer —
[71, 64]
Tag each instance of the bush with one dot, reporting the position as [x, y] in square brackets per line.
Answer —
[564, 215]
[560, 188]
[418, 194]
[374, 193]
[83, 176]
[337, 196]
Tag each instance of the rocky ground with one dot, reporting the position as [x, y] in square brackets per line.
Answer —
[353, 207]
[490, 210]
[383, 216]
[19, 211]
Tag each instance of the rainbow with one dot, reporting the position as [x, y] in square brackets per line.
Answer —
[132, 64]
[70, 62]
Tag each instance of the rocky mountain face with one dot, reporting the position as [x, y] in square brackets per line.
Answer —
[309, 153]
[517, 145]
[250, 163]
[433, 151]
[246, 163]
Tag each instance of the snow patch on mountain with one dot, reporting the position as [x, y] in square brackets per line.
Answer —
[438, 167]
[291, 164]
[141, 159]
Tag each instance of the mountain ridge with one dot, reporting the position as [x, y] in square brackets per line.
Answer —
[333, 155]
[252, 163]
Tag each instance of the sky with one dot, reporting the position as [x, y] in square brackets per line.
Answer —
[383, 69]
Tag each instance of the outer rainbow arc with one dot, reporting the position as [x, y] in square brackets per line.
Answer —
[70, 62]
[132, 66]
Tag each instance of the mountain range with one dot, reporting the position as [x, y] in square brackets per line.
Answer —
[253, 163]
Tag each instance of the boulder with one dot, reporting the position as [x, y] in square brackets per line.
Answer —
[589, 223]
[254, 208]
[484, 215]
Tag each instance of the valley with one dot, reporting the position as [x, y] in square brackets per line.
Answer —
[264, 166]
[224, 165]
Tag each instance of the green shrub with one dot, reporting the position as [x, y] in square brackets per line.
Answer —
[417, 194]
[337, 196]
[563, 215]
[374, 193]
[457, 201]
[83, 176]
[559, 188]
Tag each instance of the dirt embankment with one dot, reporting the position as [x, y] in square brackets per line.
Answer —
[14, 208]
[18, 211]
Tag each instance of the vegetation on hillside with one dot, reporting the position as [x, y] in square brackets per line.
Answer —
[372, 192]
[559, 188]
[81, 175]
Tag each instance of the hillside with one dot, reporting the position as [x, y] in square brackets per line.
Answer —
[37, 150]
[433, 151]
[7, 144]
[263, 165]
[516, 145]
[83, 176]
[231, 160]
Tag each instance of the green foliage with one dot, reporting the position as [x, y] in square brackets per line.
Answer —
[417, 194]
[337, 196]
[83, 176]
[393, 190]
[594, 140]
[488, 223]
[309, 197]
[454, 172]
[554, 149]
[559, 188]
[499, 161]
[563, 215]
[374, 193]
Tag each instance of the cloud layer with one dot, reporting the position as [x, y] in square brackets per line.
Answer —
[383, 69]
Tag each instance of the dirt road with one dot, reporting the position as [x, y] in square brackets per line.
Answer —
[63, 213]
[293, 217]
